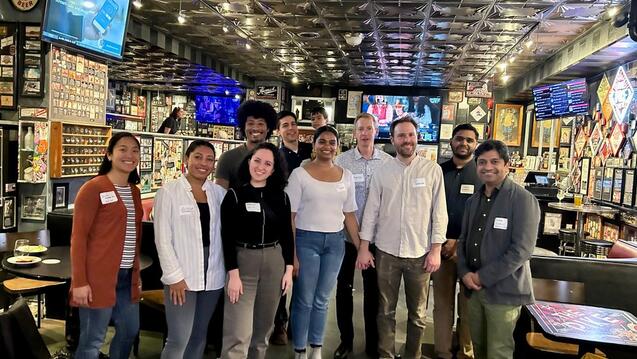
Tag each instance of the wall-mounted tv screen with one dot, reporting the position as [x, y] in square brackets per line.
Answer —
[424, 109]
[97, 27]
[217, 109]
[561, 99]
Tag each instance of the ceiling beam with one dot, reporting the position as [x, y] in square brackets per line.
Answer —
[598, 37]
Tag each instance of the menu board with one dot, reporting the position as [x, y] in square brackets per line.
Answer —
[562, 99]
[78, 88]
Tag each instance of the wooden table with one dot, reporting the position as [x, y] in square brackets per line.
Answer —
[589, 327]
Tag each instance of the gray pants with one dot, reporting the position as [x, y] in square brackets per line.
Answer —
[188, 323]
[248, 323]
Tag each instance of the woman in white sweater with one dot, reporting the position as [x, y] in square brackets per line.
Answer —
[188, 239]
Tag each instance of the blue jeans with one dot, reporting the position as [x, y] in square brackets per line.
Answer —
[320, 255]
[94, 323]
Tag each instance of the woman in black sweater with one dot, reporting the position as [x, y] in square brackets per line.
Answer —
[256, 232]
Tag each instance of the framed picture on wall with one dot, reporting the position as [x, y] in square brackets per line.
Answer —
[585, 170]
[8, 212]
[507, 124]
[33, 207]
[60, 195]
[480, 128]
[448, 112]
[565, 135]
[446, 130]
[456, 96]
[629, 187]
[546, 134]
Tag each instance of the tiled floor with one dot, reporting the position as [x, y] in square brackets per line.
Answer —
[151, 342]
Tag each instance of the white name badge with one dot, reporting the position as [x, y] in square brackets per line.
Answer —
[108, 197]
[467, 189]
[419, 182]
[340, 187]
[253, 207]
[500, 223]
[359, 177]
[186, 209]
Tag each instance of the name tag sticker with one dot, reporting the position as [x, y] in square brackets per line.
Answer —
[186, 210]
[500, 223]
[466, 189]
[340, 187]
[253, 207]
[419, 182]
[359, 177]
[108, 197]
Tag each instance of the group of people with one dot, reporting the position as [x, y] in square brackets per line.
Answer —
[301, 219]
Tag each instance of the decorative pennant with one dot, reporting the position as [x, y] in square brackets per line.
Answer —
[616, 138]
[596, 139]
[605, 151]
[621, 94]
[478, 113]
[627, 151]
[603, 89]
[580, 142]
[607, 110]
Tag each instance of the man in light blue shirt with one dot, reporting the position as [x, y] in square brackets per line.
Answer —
[362, 161]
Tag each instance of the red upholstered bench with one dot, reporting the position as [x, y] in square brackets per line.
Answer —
[147, 206]
[623, 249]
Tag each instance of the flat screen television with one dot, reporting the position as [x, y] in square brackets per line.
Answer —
[96, 27]
[217, 109]
[424, 109]
[562, 99]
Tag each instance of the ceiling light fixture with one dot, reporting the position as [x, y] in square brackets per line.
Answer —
[181, 18]
[237, 96]
[353, 39]
[225, 28]
[505, 78]
[528, 43]
[138, 4]
[512, 59]
[248, 46]
[227, 92]
[613, 11]
[295, 80]
[502, 66]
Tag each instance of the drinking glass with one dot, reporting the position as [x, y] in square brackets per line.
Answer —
[21, 248]
[560, 195]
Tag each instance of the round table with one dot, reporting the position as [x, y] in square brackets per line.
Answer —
[581, 210]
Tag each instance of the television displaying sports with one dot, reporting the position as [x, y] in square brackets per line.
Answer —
[561, 99]
[424, 109]
[97, 27]
[217, 110]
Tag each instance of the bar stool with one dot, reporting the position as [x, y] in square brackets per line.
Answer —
[595, 248]
[567, 238]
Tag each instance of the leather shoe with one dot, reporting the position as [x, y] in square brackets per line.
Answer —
[342, 351]
[279, 335]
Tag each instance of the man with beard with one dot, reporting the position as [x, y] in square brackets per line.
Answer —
[406, 218]
[499, 231]
[461, 181]
[362, 160]
[256, 121]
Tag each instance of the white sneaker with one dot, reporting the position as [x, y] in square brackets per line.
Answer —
[298, 355]
[315, 353]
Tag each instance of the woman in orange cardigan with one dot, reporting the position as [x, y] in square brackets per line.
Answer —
[105, 281]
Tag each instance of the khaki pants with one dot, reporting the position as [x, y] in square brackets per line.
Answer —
[248, 323]
[390, 270]
[445, 280]
[492, 327]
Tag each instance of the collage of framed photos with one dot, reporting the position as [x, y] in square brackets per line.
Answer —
[8, 65]
[32, 61]
[78, 88]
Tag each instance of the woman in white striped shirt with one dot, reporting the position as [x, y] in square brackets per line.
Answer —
[188, 239]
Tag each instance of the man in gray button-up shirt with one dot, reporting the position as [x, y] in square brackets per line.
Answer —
[499, 231]
[362, 161]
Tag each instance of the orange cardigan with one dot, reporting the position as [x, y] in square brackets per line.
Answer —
[97, 242]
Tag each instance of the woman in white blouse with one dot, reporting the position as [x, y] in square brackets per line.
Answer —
[188, 239]
[323, 201]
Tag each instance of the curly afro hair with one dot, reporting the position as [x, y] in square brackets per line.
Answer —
[257, 109]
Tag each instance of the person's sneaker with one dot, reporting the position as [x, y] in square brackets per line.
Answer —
[279, 335]
[342, 351]
[315, 353]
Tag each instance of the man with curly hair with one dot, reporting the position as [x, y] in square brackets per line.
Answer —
[256, 119]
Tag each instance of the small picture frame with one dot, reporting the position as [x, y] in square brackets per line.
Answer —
[8, 213]
[552, 223]
[456, 96]
[33, 207]
[60, 196]
[585, 169]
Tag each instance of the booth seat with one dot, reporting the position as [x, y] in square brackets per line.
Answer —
[147, 206]
[623, 249]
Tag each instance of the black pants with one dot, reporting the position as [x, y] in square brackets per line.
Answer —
[345, 300]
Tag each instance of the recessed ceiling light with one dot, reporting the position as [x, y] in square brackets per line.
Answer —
[138, 4]
[181, 18]
[225, 28]
[295, 80]
[237, 96]
[248, 46]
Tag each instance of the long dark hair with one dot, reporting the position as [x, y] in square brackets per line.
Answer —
[107, 165]
[175, 111]
[278, 178]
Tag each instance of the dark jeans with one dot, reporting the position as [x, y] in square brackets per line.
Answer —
[345, 300]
